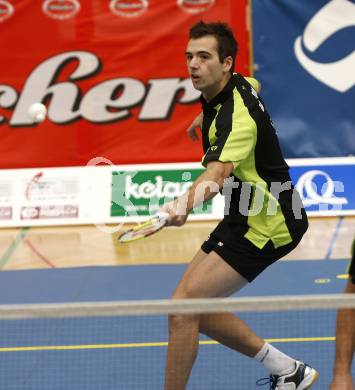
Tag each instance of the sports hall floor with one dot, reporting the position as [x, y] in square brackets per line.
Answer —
[71, 264]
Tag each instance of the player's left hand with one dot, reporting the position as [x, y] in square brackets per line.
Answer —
[192, 129]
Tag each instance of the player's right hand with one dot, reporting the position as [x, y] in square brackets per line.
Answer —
[177, 212]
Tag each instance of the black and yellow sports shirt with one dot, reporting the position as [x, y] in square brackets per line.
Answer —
[260, 201]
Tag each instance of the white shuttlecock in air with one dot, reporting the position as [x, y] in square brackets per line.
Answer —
[37, 112]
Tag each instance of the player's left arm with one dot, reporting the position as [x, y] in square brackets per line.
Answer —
[204, 188]
[196, 124]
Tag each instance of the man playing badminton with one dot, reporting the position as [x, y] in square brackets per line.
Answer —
[243, 160]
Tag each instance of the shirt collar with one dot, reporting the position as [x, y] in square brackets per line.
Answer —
[221, 97]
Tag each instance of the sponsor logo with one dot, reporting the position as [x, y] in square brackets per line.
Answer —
[128, 8]
[32, 184]
[6, 10]
[29, 212]
[142, 193]
[5, 212]
[49, 212]
[333, 17]
[195, 6]
[61, 9]
[50, 188]
[159, 189]
[99, 104]
[308, 187]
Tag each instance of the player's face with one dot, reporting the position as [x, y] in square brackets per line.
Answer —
[207, 73]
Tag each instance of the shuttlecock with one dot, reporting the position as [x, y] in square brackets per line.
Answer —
[37, 112]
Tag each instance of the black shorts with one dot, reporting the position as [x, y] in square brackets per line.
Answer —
[245, 257]
[352, 263]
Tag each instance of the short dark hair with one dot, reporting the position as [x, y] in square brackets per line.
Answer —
[226, 42]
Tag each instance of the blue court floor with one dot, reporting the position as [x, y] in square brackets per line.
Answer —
[128, 353]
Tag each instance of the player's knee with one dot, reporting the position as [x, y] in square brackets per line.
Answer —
[186, 291]
[180, 293]
[182, 321]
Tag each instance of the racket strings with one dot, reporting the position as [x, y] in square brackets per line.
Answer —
[145, 229]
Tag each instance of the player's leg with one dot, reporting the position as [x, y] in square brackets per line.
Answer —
[213, 277]
[227, 328]
[344, 351]
[246, 261]
[175, 353]
[234, 333]
[345, 339]
[207, 276]
[216, 278]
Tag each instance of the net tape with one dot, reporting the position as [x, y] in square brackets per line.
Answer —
[182, 306]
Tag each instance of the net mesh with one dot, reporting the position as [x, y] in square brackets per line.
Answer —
[122, 345]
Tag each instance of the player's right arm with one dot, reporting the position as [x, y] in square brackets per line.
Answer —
[204, 188]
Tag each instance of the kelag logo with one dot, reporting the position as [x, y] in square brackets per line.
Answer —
[328, 21]
[143, 192]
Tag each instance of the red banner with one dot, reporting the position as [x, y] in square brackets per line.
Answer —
[112, 75]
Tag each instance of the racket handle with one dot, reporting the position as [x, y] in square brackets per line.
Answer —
[162, 215]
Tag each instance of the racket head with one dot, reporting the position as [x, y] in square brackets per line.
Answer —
[145, 229]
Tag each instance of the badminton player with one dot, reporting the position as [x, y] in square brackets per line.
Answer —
[243, 160]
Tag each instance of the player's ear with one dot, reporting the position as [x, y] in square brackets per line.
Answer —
[228, 63]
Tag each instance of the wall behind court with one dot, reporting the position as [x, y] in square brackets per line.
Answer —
[304, 54]
[112, 74]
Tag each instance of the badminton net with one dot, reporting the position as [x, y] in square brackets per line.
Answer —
[123, 345]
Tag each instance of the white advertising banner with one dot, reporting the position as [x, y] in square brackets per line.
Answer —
[110, 194]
